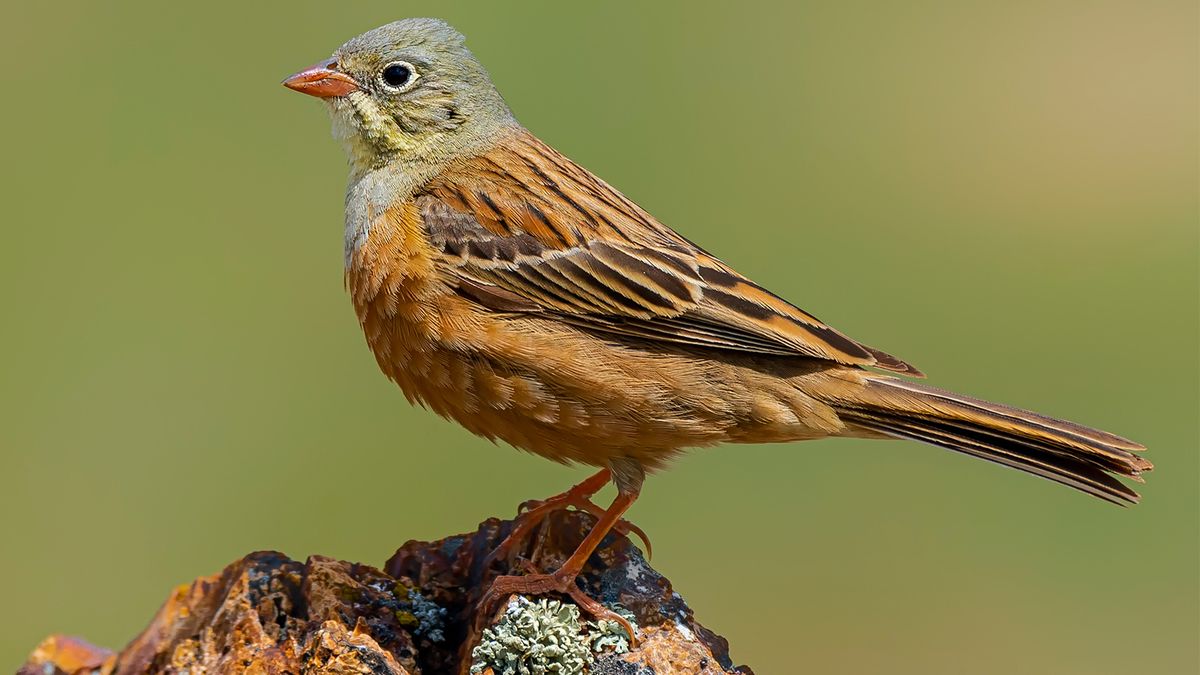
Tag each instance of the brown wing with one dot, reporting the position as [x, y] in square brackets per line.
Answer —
[525, 229]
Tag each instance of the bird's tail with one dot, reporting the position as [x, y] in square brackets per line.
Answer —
[1083, 458]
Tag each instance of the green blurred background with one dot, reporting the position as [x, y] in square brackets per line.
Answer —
[1003, 193]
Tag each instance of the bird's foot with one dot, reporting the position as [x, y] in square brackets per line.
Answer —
[562, 582]
[629, 483]
[533, 512]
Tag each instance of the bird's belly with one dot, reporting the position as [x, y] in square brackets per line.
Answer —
[530, 390]
[574, 397]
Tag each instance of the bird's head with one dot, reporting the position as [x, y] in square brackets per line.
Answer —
[409, 91]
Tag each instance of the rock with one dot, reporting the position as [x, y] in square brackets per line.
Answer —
[65, 654]
[419, 615]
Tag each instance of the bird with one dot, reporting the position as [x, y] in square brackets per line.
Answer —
[505, 287]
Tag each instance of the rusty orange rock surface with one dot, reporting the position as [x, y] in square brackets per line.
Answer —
[419, 615]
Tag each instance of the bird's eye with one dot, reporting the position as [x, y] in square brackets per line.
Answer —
[398, 75]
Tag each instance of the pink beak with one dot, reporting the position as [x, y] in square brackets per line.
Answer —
[322, 80]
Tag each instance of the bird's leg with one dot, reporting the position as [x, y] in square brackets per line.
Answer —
[534, 512]
[623, 527]
[579, 496]
[628, 476]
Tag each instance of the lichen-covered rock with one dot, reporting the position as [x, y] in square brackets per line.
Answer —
[419, 615]
[533, 637]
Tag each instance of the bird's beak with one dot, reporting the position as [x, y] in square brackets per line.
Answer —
[322, 80]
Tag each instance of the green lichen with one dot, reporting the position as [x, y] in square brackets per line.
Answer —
[544, 637]
[407, 619]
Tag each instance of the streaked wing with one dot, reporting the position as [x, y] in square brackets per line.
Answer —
[525, 229]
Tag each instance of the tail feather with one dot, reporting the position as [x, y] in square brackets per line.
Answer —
[1062, 451]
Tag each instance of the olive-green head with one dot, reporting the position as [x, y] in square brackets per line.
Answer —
[409, 90]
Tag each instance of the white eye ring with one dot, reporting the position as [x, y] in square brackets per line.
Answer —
[398, 76]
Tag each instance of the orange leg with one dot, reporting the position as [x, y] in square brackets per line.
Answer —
[579, 496]
[563, 580]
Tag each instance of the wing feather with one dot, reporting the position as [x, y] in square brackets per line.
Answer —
[523, 226]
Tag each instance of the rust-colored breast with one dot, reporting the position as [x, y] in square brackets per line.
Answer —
[450, 354]
[397, 295]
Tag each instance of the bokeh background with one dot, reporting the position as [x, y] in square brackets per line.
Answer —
[1003, 193]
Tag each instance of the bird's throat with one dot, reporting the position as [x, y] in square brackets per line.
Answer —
[369, 136]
